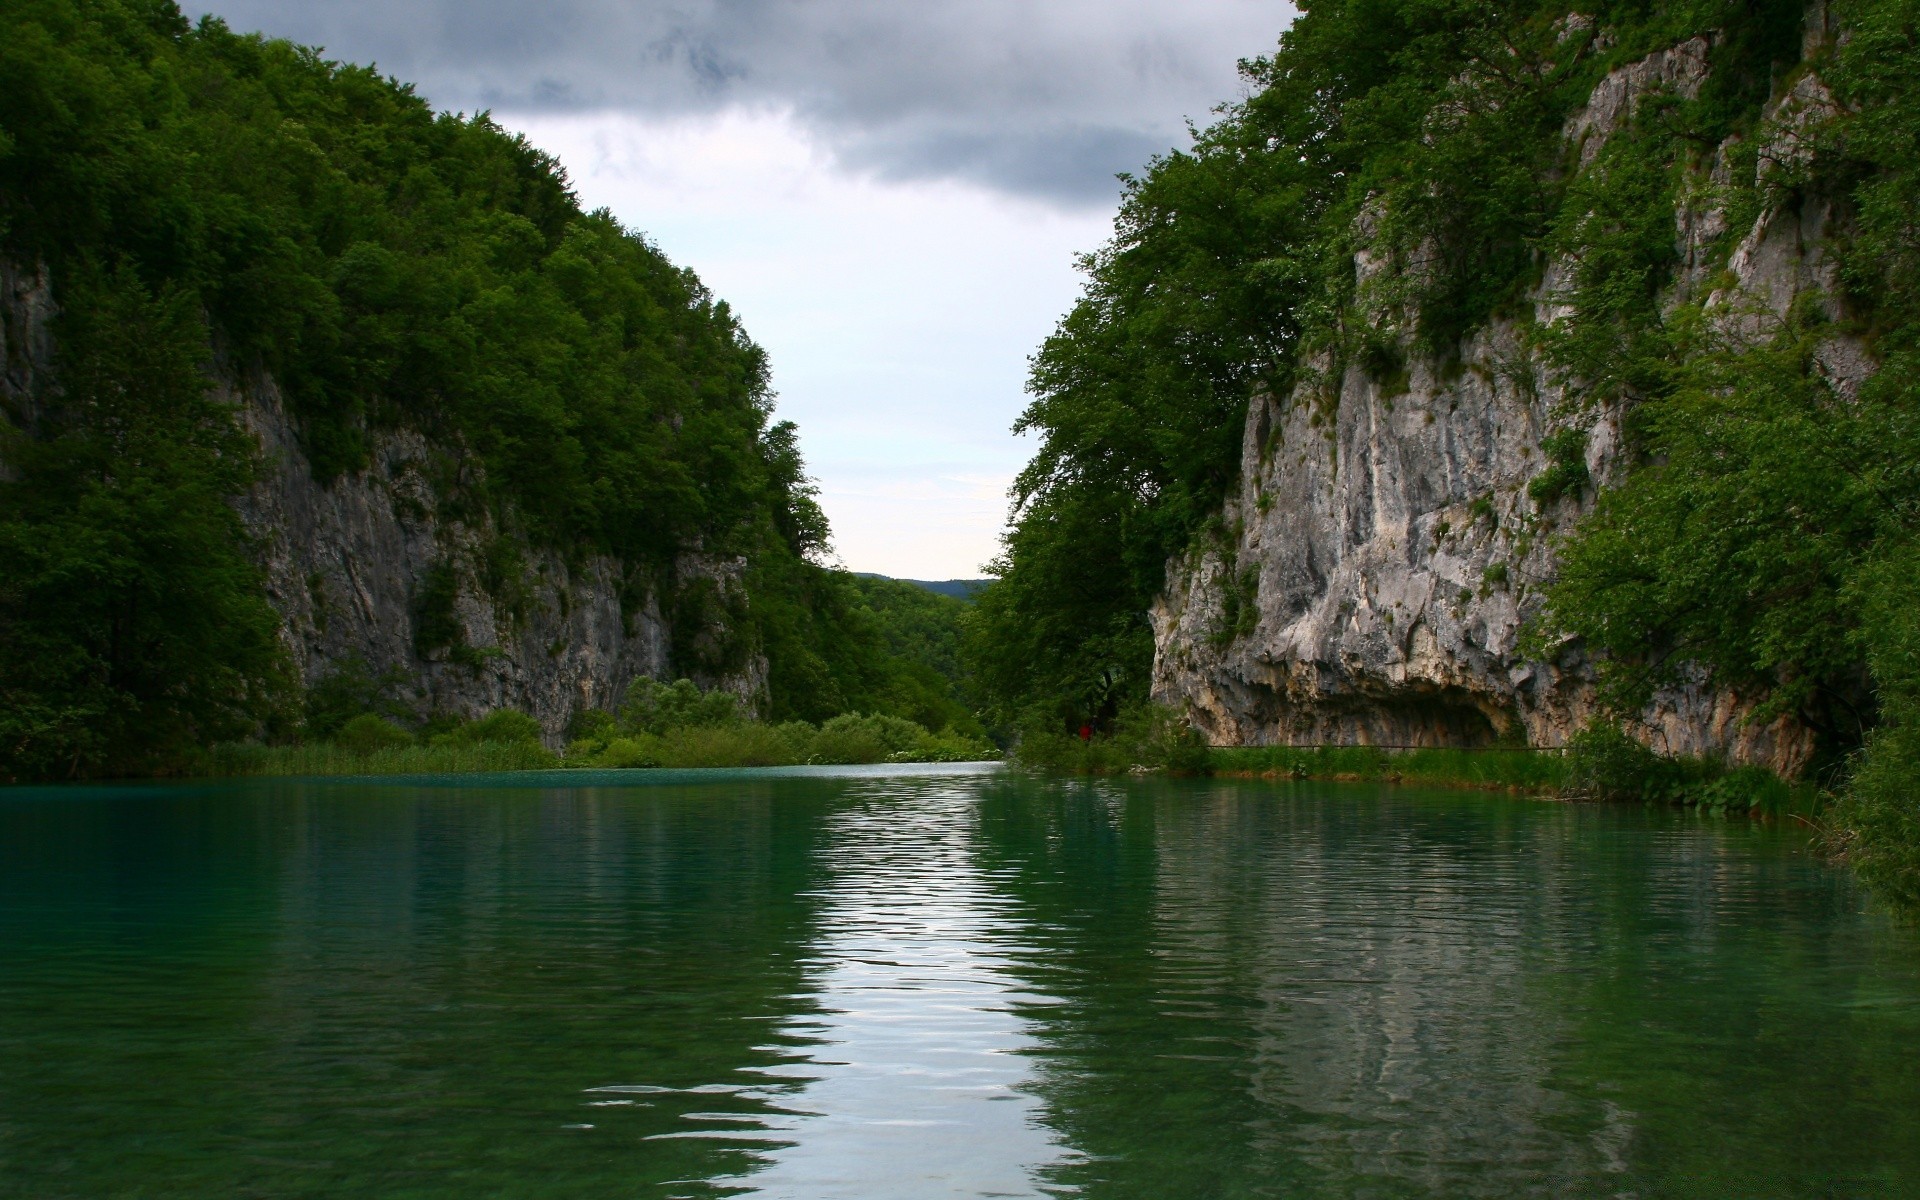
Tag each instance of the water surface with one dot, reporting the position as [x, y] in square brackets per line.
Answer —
[934, 982]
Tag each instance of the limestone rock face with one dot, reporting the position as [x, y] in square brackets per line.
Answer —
[1382, 553]
[350, 564]
[348, 567]
[26, 345]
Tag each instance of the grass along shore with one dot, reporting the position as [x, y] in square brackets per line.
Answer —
[660, 725]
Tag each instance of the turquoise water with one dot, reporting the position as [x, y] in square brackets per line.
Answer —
[929, 982]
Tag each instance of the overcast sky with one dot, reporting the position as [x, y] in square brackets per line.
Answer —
[889, 192]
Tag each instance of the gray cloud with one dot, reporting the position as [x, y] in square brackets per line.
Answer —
[1047, 98]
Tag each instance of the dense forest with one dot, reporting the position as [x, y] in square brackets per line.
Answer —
[1767, 530]
[211, 206]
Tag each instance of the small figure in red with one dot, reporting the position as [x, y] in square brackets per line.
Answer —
[1086, 732]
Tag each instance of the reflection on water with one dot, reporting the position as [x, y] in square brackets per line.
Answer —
[916, 1056]
[863, 984]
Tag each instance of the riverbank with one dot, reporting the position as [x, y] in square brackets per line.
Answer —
[510, 742]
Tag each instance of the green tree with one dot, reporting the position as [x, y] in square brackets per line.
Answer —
[132, 615]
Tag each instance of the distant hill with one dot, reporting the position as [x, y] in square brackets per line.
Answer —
[959, 589]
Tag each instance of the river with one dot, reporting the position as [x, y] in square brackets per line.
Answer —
[931, 982]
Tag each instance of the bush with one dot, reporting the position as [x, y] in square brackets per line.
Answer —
[643, 751]
[1566, 472]
[850, 738]
[368, 733]
[847, 739]
[1149, 736]
[350, 690]
[1744, 789]
[654, 707]
[503, 725]
[1509, 768]
[1876, 825]
[593, 724]
[951, 745]
[1603, 763]
[739, 745]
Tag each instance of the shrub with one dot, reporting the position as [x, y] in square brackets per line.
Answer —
[350, 690]
[846, 739]
[643, 751]
[1603, 763]
[850, 738]
[950, 745]
[654, 707]
[1566, 472]
[368, 733]
[738, 745]
[502, 725]
[1150, 736]
[1876, 825]
[1743, 789]
[593, 724]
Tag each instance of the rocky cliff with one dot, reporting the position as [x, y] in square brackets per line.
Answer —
[1382, 553]
[388, 570]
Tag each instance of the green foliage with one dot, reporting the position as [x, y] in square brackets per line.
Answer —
[1765, 492]
[503, 726]
[1239, 602]
[133, 625]
[1604, 763]
[593, 724]
[1768, 535]
[1566, 473]
[389, 265]
[188, 187]
[1147, 737]
[677, 725]
[846, 739]
[1600, 763]
[1734, 545]
[654, 707]
[367, 733]
[352, 690]
[436, 626]
[1876, 825]
[852, 738]
[325, 758]
[921, 631]
[1430, 130]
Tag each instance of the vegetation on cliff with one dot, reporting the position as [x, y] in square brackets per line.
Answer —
[1765, 532]
[215, 207]
[1424, 128]
[1768, 530]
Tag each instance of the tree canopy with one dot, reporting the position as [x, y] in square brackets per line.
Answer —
[217, 206]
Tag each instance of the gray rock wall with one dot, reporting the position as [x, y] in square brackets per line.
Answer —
[346, 565]
[1382, 554]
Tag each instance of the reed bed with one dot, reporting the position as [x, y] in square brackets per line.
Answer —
[323, 758]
